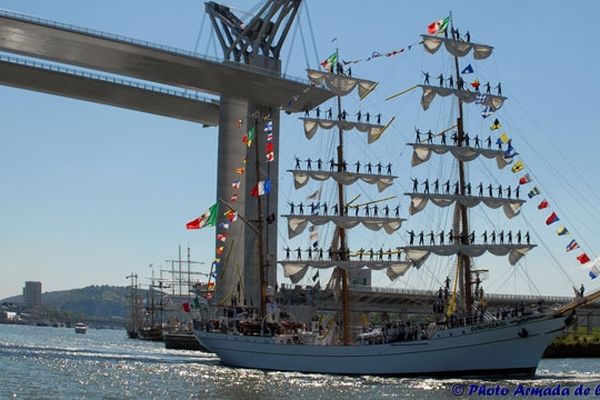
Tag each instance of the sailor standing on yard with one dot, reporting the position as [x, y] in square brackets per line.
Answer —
[426, 80]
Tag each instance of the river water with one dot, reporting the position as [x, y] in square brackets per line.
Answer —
[56, 363]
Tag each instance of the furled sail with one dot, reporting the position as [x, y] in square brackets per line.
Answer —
[419, 254]
[491, 100]
[301, 178]
[341, 85]
[295, 270]
[422, 153]
[298, 223]
[373, 131]
[511, 206]
[457, 48]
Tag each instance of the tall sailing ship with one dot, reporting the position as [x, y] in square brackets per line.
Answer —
[462, 337]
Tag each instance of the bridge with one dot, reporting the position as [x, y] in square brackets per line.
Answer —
[86, 48]
[406, 302]
[246, 84]
[109, 90]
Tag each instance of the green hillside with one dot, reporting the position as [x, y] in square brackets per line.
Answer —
[93, 301]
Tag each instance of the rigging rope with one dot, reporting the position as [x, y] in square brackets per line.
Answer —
[312, 34]
[555, 204]
[302, 39]
[550, 253]
[293, 40]
[200, 32]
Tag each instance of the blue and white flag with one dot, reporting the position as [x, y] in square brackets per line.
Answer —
[224, 225]
[482, 98]
[467, 70]
[486, 112]
[269, 126]
[510, 151]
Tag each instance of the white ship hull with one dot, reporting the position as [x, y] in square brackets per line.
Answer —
[497, 348]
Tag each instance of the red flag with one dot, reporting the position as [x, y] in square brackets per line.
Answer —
[270, 156]
[269, 147]
[222, 237]
[525, 179]
[543, 204]
[552, 218]
[432, 28]
[195, 224]
[230, 215]
[254, 191]
[583, 258]
[186, 307]
[220, 250]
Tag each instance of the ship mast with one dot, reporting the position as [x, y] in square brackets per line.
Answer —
[461, 217]
[342, 253]
[339, 254]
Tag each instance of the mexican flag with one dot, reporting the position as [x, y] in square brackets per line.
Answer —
[330, 61]
[209, 218]
[439, 26]
[247, 139]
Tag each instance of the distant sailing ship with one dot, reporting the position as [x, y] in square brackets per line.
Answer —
[465, 338]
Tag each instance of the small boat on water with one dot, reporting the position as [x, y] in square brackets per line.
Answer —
[182, 340]
[80, 327]
[152, 333]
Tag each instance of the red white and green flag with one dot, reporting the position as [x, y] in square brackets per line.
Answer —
[438, 26]
[247, 139]
[209, 218]
[330, 61]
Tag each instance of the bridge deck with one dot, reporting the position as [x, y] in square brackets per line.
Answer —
[122, 93]
[376, 299]
[96, 50]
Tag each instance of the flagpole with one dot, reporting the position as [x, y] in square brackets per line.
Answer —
[445, 130]
[402, 92]
[260, 232]
[374, 201]
[239, 215]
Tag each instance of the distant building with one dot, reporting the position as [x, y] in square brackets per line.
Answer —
[32, 294]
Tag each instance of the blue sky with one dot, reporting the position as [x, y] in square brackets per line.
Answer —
[90, 193]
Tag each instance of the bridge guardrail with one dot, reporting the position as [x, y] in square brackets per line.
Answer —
[142, 43]
[433, 293]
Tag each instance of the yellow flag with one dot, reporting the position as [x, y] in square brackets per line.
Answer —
[496, 125]
[364, 320]
[518, 166]
[504, 137]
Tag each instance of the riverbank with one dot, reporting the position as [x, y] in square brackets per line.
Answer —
[575, 345]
